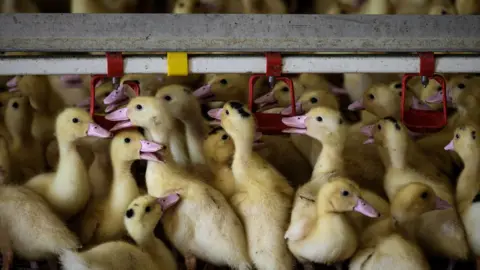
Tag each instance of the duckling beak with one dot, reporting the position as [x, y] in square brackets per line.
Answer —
[149, 149]
[450, 146]
[118, 115]
[298, 109]
[337, 90]
[95, 130]
[114, 106]
[436, 98]
[72, 81]
[215, 113]
[168, 201]
[14, 89]
[204, 92]
[267, 99]
[115, 96]
[297, 122]
[368, 131]
[418, 105]
[12, 82]
[441, 204]
[121, 125]
[356, 106]
[365, 208]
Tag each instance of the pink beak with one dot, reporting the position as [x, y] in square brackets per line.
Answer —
[337, 90]
[12, 82]
[365, 208]
[266, 99]
[357, 105]
[450, 146]
[417, 105]
[203, 92]
[115, 96]
[368, 131]
[441, 204]
[215, 113]
[148, 149]
[95, 130]
[298, 109]
[118, 115]
[297, 122]
[122, 125]
[168, 201]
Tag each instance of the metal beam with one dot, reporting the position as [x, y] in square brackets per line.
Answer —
[239, 64]
[238, 33]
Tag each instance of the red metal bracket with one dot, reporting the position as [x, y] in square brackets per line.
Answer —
[419, 120]
[269, 123]
[114, 64]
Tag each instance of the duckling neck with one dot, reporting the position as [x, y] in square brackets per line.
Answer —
[121, 169]
[330, 160]
[406, 227]
[468, 184]
[243, 150]
[195, 134]
[396, 153]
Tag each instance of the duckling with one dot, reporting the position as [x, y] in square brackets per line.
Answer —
[104, 6]
[262, 197]
[280, 95]
[311, 99]
[140, 220]
[25, 152]
[111, 255]
[4, 162]
[100, 171]
[391, 240]
[465, 143]
[357, 83]
[193, 239]
[467, 7]
[225, 87]
[104, 222]
[332, 239]
[71, 88]
[29, 227]
[67, 190]
[450, 240]
[102, 91]
[4, 97]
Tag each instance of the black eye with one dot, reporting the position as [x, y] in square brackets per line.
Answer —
[314, 100]
[147, 209]
[139, 107]
[75, 120]
[345, 193]
[285, 89]
[224, 137]
[319, 119]
[424, 195]
[223, 81]
[167, 98]
[474, 135]
[126, 140]
[398, 85]
[1, 104]
[461, 85]
[340, 121]
[379, 127]
[15, 105]
[457, 136]
[181, 4]
[444, 12]
[397, 126]
[129, 213]
[227, 112]
[371, 97]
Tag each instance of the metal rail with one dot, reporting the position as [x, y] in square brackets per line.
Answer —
[238, 33]
[239, 64]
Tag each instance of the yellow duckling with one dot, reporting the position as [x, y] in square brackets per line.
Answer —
[104, 6]
[262, 196]
[218, 221]
[67, 190]
[465, 143]
[4, 97]
[4, 162]
[25, 152]
[140, 220]
[467, 7]
[104, 222]
[332, 238]
[71, 88]
[280, 95]
[391, 241]
[29, 228]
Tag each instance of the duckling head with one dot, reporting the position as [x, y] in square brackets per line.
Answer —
[312, 99]
[130, 145]
[343, 195]
[75, 123]
[280, 95]
[178, 99]
[414, 200]
[223, 87]
[465, 142]
[322, 123]
[218, 146]
[145, 112]
[144, 212]
[236, 120]
[381, 100]
[18, 115]
[441, 9]
[456, 86]
[385, 132]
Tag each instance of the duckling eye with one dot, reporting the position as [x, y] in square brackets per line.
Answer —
[75, 120]
[319, 119]
[444, 12]
[223, 81]
[371, 97]
[285, 89]
[439, 88]
[167, 98]
[461, 85]
[379, 127]
[345, 193]
[181, 4]
[457, 136]
[424, 195]
[474, 135]
[126, 140]
[1, 104]
[139, 107]
[147, 209]
[340, 121]
[398, 85]
[129, 213]
[15, 105]
[227, 112]
[224, 137]
[314, 100]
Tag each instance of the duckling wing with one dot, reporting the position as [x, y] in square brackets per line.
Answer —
[90, 222]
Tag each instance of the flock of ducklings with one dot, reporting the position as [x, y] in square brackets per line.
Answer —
[184, 175]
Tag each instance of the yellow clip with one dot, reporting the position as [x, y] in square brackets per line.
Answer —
[177, 64]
